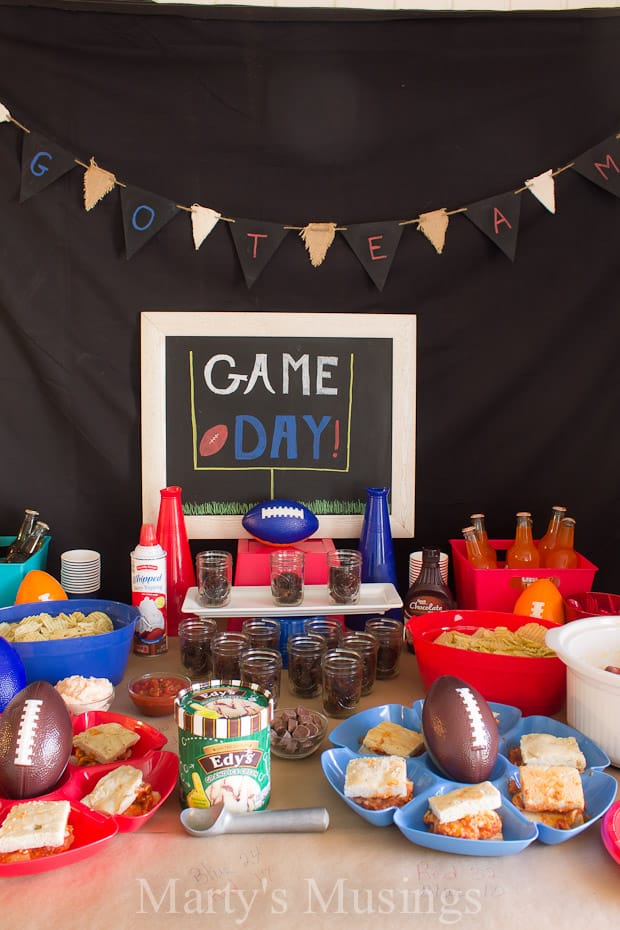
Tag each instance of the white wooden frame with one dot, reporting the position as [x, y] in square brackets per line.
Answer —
[156, 326]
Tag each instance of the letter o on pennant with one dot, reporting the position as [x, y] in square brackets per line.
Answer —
[150, 212]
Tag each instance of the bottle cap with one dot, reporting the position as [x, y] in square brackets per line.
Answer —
[148, 536]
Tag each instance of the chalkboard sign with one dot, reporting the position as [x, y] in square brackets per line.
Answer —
[239, 408]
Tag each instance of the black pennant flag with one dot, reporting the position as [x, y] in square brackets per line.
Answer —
[43, 162]
[144, 214]
[256, 243]
[498, 218]
[375, 245]
[601, 165]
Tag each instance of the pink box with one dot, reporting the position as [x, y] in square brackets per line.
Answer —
[499, 588]
[252, 566]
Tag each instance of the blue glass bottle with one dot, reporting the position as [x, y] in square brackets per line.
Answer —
[376, 543]
[377, 547]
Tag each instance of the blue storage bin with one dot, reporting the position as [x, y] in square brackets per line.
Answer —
[288, 626]
[12, 573]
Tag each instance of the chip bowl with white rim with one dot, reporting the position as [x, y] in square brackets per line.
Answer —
[590, 650]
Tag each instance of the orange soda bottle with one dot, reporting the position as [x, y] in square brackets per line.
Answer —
[523, 553]
[478, 556]
[549, 540]
[563, 554]
[477, 520]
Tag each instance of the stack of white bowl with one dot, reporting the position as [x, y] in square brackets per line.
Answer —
[80, 572]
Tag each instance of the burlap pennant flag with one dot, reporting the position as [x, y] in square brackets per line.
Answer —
[43, 162]
[203, 221]
[434, 226]
[317, 238]
[97, 183]
[375, 245]
[256, 243]
[144, 215]
[543, 189]
[498, 218]
[5, 116]
[601, 165]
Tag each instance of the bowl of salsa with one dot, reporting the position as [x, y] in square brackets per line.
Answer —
[154, 694]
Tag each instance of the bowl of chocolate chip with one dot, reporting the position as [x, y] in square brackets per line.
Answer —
[297, 732]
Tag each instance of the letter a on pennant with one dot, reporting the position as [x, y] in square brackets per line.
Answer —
[144, 214]
[601, 165]
[498, 218]
[256, 243]
[43, 162]
[375, 245]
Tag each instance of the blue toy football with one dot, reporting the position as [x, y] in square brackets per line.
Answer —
[280, 522]
[12, 673]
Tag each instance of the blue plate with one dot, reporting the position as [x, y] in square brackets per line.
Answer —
[599, 791]
[334, 762]
[599, 788]
[506, 715]
[352, 731]
[595, 757]
[518, 833]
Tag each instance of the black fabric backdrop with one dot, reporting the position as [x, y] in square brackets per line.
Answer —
[307, 116]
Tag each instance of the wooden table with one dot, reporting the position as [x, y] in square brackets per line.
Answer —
[350, 876]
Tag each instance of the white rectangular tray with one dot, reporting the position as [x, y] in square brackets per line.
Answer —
[251, 600]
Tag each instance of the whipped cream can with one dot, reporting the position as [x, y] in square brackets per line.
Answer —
[149, 594]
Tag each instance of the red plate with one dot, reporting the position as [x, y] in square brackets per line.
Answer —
[160, 770]
[610, 831]
[150, 738]
[91, 831]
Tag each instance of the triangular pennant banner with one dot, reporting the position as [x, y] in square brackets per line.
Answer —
[434, 226]
[498, 218]
[543, 188]
[601, 165]
[97, 183]
[144, 214]
[43, 162]
[203, 221]
[5, 116]
[256, 243]
[318, 237]
[375, 245]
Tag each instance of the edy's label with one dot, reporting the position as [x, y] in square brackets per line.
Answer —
[224, 747]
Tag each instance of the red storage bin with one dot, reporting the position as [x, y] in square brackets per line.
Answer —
[498, 588]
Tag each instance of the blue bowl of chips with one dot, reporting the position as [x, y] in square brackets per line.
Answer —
[100, 655]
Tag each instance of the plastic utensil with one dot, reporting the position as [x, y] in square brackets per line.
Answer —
[218, 819]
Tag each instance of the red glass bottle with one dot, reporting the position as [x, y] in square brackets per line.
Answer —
[172, 537]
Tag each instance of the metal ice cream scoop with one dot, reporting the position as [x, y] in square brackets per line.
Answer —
[217, 819]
